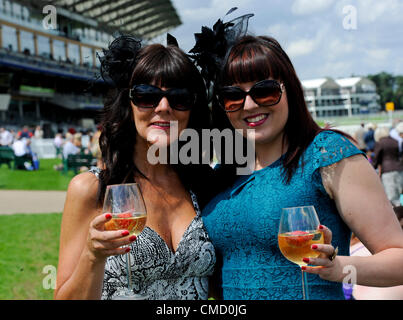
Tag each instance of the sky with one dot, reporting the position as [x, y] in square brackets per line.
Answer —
[323, 38]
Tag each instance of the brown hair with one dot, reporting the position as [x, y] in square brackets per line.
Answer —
[258, 58]
[155, 64]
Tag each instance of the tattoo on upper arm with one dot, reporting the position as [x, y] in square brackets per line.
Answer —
[328, 174]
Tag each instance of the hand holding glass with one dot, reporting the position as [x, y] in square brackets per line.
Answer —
[126, 205]
[298, 231]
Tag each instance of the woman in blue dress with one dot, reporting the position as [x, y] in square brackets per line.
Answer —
[297, 164]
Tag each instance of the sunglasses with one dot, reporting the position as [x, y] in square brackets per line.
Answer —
[264, 93]
[148, 96]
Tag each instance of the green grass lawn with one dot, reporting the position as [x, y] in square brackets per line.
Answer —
[46, 178]
[28, 243]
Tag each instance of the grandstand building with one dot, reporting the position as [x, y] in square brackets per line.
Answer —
[48, 54]
[327, 97]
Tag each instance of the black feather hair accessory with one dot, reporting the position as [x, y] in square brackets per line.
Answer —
[213, 45]
[118, 60]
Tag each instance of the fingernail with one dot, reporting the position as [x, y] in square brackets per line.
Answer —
[132, 238]
[125, 233]
[306, 260]
[314, 246]
[321, 227]
[127, 250]
[108, 216]
[303, 268]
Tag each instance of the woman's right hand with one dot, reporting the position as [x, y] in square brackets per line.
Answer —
[102, 244]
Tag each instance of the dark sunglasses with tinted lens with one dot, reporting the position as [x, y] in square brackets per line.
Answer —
[149, 96]
[264, 93]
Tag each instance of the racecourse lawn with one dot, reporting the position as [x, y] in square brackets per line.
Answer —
[29, 243]
[29, 246]
[46, 178]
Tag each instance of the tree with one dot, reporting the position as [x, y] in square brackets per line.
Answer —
[389, 88]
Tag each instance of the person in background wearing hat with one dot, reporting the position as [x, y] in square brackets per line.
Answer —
[390, 164]
[369, 141]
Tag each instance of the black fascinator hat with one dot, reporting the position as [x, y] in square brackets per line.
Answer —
[118, 60]
[213, 45]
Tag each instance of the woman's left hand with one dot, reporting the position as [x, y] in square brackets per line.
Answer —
[323, 265]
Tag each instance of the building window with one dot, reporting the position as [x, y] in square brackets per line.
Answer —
[9, 36]
[43, 46]
[59, 50]
[87, 56]
[27, 42]
[74, 53]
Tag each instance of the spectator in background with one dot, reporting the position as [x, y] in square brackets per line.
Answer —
[396, 135]
[386, 158]
[359, 137]
[38, 133]
[86, 139]
[69, 146]
[6, 137]
[370, 141]
[24, 133]
[20, 148]
[58, 142]
[95, 149]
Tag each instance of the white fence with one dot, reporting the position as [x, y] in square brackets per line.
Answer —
[44, 148]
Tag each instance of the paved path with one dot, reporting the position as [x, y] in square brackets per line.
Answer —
[18, 201]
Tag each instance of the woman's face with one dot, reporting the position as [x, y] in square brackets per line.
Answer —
[156, 125]
[268, 122]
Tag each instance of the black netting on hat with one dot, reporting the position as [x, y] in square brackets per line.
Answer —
[212, 45]
[117, 62]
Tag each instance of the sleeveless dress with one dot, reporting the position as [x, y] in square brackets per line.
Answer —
[159, 272]
[243, 223]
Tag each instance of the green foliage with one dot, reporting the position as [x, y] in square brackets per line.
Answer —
[389, 87]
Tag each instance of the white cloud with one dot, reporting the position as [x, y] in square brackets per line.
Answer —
[378, 55]
[307, 7]
[311, 32]
[214, 10]
[301, 47]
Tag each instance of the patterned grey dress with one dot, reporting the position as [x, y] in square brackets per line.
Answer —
[159, 272]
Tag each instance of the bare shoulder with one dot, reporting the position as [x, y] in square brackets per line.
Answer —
[82, 193]
[356, 166]
[83, 185]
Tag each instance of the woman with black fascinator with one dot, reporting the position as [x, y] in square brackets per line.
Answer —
[297, 164]
[153, 88]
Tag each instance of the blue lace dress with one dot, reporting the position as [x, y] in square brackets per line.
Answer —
[243, 222]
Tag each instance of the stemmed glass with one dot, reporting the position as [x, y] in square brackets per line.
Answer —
[126, 204]
[298, 231]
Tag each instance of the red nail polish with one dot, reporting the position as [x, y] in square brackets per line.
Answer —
[321, 227]
[303, 268]
[127, 250]
[314, 246]
[108, 216]
[306, 260]
[132, 238]
[125, 233]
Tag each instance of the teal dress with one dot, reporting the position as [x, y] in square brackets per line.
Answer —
[242, 222]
